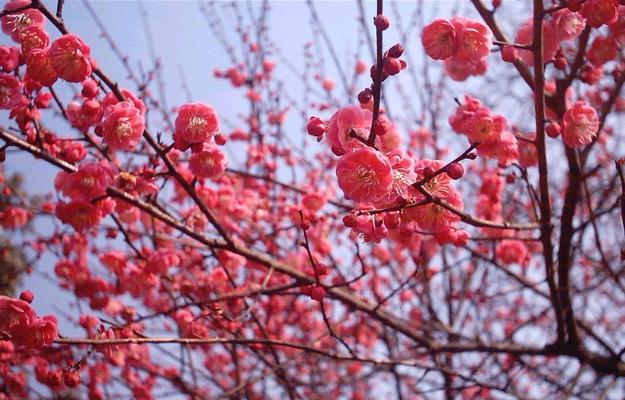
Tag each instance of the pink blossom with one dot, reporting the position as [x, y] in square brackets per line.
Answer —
[617, 29]
[505, 150]
[195, 123]
[435, 218]
[14, 23]
[392, 139]
[328, 84]
[602, 50]
[80, 214]
[511, 251]
[89, 182]
[160, 261]
[41, 332]
[600, 12]
[403, 176]
[463, 113]
[15, 315]
[13, 217]
[463, 43]
[343, 124]
[39, 67]
[122, 126]
[484, 127]
[70, 58]
[33, 37]
[9, 58]
[528, 155]
[10, 91]
[567, 24]
[115, 261]
[111, 99]
[525, 35]
[364, 175]
[439, 39]
[210, 162]
[580, 125]
[473, 40]
[459, 71]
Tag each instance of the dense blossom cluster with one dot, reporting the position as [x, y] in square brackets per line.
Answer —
[20, 324]
[284, 267]
[464, 45]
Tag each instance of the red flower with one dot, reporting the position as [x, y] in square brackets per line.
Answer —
[364, 175]
[485, 127]
[71, 151]
[580, 125]
[195, 123]
[567, 24]
[525, 36]
[9, 58]
[439, 39]
[473, 40]
[600, 12]
[39, 67]
[344, 124]
[435, 218]
[160, 261]
[70, 58]
[10, 91]
[13, 24]
[13, 217]
[511, 251]
[89, 182]
[602, 50]
[122, 126]
[80, 214]
[15, 315]
[41, 332]
[33, 37]
[111, 99]
[210, 162]
[504, 150]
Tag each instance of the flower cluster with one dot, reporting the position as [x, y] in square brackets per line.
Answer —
[382, 176]
[86, 189]
[20, 324]
[480, 125]
[464, 44]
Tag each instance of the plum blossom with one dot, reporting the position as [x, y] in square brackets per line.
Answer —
[580, 125]
[122, 126]
[364, 175]
[10, 91]
[600, 12]
[13, 217]
[14, 23]
[525, 36]
[70, 58]
[511, 251]
[439, 39]
[464, 44]
[80, 214]
[567, 24]
[20, 323]
[210, 162]
[89, 182]
[195, 123]
[344, 124]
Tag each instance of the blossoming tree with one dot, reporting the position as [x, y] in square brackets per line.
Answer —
[472, 252]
